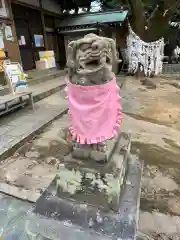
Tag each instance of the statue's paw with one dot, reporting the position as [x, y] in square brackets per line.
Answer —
[103, 147]
[94, 147]
[75, 144]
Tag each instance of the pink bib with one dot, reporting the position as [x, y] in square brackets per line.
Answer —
[95, 112]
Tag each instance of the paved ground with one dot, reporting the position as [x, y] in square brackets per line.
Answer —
[35, 74]
[13, 128]
[30, 170]
[152, 117]
[13, 217]
[17, 126]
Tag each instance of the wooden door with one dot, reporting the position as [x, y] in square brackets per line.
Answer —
[51, 41]
[28, 24]
[62, 51]
[24, 37]
[25, 44]
[35, 26]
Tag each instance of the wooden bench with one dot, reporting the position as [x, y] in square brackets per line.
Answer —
[9, 98]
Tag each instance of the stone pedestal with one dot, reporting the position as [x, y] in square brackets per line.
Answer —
[64, 212]
[57, 216]
[98, 182]
[96, 152]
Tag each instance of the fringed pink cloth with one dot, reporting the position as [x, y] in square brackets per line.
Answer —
[95, 112]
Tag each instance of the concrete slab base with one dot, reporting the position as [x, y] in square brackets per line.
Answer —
[56, 218]
[92, 182]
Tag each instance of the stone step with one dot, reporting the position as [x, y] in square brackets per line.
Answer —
[4, 90]
[38, 96]
[39, 91]
[37, 77]
[17, 128]
[170, 76]
[171, 68]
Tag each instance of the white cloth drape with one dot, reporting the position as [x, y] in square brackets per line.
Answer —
[146, 55]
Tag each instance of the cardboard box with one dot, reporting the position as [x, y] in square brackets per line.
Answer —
[46, 54]
[51, 62]
[48, 63]
[42, 64]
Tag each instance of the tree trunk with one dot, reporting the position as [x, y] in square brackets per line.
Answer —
[158, 22]
[155, 27]
[138, 22]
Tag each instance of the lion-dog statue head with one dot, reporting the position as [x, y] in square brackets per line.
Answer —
[91, 54]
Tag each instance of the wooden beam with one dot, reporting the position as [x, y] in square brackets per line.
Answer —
[43, 26]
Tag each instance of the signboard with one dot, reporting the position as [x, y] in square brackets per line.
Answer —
[39, 40]
[15, 77]
[1, 40]
[23, 40]
[8, 33]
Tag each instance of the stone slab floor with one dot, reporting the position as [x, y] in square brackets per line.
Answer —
[152, 117]
[20, 124]
[35, 164]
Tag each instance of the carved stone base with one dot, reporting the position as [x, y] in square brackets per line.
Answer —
[95, 183]
[101, 152]
[55, 217]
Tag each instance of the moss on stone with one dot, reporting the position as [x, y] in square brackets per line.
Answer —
[88, 186]
[69, 181]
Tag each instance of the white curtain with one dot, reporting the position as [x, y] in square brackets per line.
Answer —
[146, 55]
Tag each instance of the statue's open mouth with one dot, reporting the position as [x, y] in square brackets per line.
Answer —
[94, 63]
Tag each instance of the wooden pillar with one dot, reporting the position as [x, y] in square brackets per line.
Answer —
[12, 46]
[43, 25]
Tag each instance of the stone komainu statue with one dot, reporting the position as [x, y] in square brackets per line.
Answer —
[93, 96]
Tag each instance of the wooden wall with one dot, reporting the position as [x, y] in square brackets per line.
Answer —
[12, 46]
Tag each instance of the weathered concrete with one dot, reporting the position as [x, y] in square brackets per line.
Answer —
[18, 127]
[21, 174]
[87, 152]
[95, 183]
[55, 213]
[45, 89]
[158, 146]
[35, 77]
[171, 68]
[40, 91]
[19, 222]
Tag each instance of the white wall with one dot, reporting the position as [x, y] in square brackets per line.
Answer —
[51, 6]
